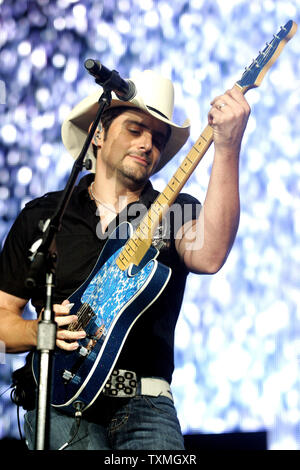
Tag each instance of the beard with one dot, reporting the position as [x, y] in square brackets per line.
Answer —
[136, 175]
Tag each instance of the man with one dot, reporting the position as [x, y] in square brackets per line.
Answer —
[136, 139]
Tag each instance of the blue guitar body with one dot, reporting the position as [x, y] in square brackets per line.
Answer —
[108, 303]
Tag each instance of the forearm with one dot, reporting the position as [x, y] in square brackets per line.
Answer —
[18, 335]
[221, 210]
[218, 223]
[207, 242]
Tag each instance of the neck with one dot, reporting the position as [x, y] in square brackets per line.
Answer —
[114, 193]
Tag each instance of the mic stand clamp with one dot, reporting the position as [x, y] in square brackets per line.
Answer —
[43, 263]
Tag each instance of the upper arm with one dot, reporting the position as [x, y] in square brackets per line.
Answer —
[189, 238]
[189, 243]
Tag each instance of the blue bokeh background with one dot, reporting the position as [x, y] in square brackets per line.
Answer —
[238, 337]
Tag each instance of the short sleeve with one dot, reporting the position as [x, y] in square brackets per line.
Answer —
[14, 260]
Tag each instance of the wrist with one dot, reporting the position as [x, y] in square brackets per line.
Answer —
[227, 153]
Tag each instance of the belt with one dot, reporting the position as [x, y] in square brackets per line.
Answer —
[125, 384]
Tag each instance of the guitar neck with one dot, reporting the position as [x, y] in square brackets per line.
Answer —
[136, 247]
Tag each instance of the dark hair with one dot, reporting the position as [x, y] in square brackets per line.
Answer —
[110, 114]
[107, 118]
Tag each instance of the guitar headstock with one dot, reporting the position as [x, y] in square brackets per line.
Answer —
[254, 74]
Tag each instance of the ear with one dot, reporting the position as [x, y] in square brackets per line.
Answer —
[97, 139]
[98, 136]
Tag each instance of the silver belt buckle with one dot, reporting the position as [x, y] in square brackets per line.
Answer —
[121, 384]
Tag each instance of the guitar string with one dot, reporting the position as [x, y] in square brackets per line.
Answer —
[76, 326]
[83, 315]
[80, 324]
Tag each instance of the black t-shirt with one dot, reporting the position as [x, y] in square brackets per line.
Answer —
[149, 347]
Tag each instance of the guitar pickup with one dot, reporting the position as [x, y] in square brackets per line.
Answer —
[67, 375]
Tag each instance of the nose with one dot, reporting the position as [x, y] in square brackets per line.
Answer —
[145, 141]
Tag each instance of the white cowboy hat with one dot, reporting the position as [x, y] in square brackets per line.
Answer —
[155, 96]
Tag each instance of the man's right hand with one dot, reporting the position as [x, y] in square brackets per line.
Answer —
[66, 339]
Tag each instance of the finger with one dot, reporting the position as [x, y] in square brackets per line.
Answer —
[220, 104]
[62, 320]
[228, 108]
[236, 94]
[68, 339]
[63, 308]
[217, 115]
[232, 98]
[67, 346]
[68, 335]
[225, 101]
[238, 98]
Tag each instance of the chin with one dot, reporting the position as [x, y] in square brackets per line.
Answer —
[137, 176]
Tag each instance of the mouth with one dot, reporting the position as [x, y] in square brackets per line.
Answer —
[139, 159]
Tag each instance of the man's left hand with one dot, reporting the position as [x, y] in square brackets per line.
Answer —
[228, 117]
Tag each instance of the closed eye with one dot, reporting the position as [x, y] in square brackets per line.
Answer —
[134, 131]
[159, 138]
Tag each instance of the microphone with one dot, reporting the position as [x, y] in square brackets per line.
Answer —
[124, 89]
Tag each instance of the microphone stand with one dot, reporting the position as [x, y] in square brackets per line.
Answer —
[43, 263]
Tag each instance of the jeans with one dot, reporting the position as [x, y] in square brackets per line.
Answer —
[138, 423]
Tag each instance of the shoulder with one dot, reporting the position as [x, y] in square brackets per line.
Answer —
[51, 199]
[46, 201]
[33, 213]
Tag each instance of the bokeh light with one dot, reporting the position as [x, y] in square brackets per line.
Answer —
[238, 336]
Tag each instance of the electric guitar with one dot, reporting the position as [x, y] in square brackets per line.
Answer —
[127, 277]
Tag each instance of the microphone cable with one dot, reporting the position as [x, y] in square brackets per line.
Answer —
[78, 415]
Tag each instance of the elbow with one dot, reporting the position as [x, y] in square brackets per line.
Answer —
[210, 270]
[209, 266]
[213, 269]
